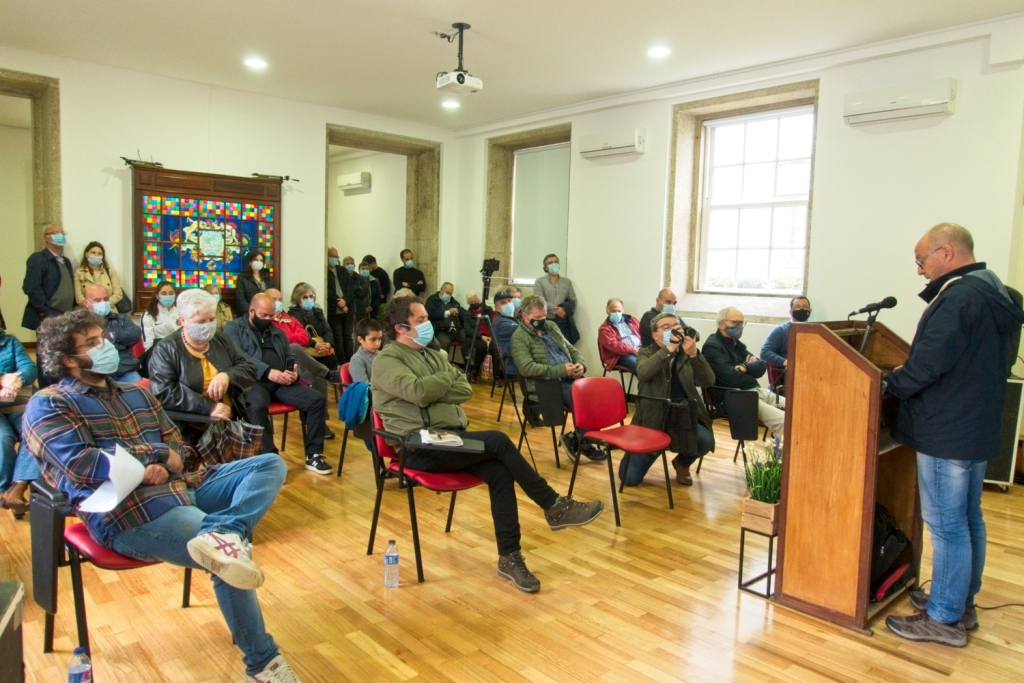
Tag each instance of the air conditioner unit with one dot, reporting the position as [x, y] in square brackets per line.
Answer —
[931, 98]
[354, 181]
[631, 141]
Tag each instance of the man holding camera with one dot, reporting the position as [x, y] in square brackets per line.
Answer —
[671, 368]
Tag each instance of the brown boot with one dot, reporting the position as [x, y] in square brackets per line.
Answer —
[14, 499]
[682, 474]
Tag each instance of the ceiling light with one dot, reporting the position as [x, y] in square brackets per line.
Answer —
[450, 104]
[659, 52]
[255, 63]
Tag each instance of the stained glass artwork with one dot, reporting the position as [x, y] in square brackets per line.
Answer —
[150, 227]
[171, 205]
[189, 207]
[266, 213]
[152, 204]
[249, 212]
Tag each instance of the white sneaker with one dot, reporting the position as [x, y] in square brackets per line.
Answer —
[277, 671]
[229, 557]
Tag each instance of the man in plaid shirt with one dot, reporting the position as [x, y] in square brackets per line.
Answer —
[202, 520]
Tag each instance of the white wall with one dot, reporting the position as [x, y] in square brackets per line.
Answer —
[369, 221]
[15, 223]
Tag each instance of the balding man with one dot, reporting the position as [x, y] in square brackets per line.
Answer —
[120, 330]
[49, 280]
[735, 368]
[665, 303]
[951, 389]
[277, 380]
[447, 316]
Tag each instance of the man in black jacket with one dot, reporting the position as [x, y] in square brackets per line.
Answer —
[665, 303]
[737, 369]
[408, 275]
[951, 389]
[381, 276]
[120, 330]
[49, 280]
[277, 380]
[447, 315]
[339, 298]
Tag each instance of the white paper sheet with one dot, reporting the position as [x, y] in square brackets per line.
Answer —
[125, 475]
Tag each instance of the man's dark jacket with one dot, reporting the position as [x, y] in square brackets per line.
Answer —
[724, 354]
[124, 334]
[348, 292]
[176, 376]
[953, 384]
[412, 278]
[42, 278]
[244, 336]
[436, 308]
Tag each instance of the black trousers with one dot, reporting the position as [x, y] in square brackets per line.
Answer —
[501, 466]
[341, 327]
[308, 400]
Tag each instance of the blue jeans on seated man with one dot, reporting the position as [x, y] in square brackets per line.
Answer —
[232, 500]
[16, 464]
[640, 463]
[951, 507]
[127, 378]
[628, 362]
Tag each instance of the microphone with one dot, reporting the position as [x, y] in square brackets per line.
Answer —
[887, 302]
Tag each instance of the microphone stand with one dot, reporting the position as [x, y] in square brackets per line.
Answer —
[867, 329]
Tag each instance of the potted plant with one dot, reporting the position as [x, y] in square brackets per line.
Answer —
[763, 471]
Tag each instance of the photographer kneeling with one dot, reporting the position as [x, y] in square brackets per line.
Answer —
[670, 368]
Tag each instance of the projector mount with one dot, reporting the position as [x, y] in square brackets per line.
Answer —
[450, 37]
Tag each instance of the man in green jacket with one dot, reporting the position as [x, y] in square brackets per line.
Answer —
[671, 367]
[415, 387]
[541, 352]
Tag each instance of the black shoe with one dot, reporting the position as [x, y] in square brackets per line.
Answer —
[329, 434]
[513, 568]
[316, 463]
[334, 376]
[568, 512]
[570, 445]
[593, 452]
[919, 600]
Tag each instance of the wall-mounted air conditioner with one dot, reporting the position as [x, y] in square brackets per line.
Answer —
[615, 143]
[354, 181]
[931, 98]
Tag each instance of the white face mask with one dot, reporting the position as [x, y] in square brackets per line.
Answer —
[257, 266]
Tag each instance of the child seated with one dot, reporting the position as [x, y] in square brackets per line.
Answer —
[368, 333]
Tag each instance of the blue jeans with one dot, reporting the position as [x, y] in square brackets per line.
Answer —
[127, 378]
[15, 464]
[951, 507]
[628, 362]
[641, 462]
[230, 500]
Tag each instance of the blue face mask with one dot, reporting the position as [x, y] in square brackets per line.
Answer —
[553, 268]
[105, 359]
[307, 304]
[59, 239]
[167, 300]
[332, 261]
[517, 303]
[278, 307]
[95, 261]
[508, 310]
[350, 267]
[735, 332]
[666, 337]
[216, 298]
[101, 308]
[424, 333]
[364, 273]
[668, 308]
[409, 263]
[446, 298]
[615, 318]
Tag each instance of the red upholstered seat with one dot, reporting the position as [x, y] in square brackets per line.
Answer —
[78, 536]
[345, 374]
[139, 349]
[632, 439]
[439, 481]
[281, 409]
[144, 383]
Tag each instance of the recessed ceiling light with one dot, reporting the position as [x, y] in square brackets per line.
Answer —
[659, 52]
[255, 63]
[450, 104]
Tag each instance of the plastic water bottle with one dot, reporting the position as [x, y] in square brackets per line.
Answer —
[80, 670]
[391, 565]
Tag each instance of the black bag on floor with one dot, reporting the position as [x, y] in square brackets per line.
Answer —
[889, 542]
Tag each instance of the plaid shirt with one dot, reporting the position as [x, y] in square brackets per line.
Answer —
[68, 424]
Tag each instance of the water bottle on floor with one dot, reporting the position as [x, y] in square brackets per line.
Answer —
[391, 566]
[80, 670]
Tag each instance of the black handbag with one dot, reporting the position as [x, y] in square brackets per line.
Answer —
[124, 305]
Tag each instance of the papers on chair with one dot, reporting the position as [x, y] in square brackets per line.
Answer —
[430, 436]
[125, 475]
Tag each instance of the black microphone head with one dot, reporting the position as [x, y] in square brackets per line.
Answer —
[887, 302]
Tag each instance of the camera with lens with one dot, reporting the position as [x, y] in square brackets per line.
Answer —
[687, 332]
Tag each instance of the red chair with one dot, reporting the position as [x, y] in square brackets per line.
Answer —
[600, 402]
[389, 464]
[281, 409]
[346, 380]
[623, 371]
[139, 349]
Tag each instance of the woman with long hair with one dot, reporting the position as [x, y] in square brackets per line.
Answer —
[312, 317]
[251, 281]
[160, 319]
[94, 270]
[224, 315]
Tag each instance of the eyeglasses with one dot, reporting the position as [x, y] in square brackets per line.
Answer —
[91, 343]
[57, 233]
[920, 261]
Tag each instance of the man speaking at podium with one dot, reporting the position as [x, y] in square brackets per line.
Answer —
[951, 389]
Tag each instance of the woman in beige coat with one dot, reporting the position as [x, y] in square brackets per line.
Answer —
[95, 271]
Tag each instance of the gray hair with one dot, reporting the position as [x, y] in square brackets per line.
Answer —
[472, 294]
[55, 339]
[193, 302]
[661, 316]
[612, 301]
[404, 291]
[724, 313]
[532, 303]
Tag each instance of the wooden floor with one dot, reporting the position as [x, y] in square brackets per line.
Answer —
[653, 600]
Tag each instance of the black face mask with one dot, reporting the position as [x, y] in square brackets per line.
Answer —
[538, 324]
[801, 316]
[261, 324]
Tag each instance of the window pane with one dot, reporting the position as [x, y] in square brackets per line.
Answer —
[721, 268]
[758, 183]
[796, 133]
[755, 228]
[794, 180]
[789, 227]
[726, 184]
[722, 229]
[787, 269]
[761, 141]
[728, 143]
[752, 269]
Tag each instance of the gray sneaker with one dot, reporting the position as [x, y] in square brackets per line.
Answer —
[919, 599]
[513, 568]
[922, 628]
[568, 512]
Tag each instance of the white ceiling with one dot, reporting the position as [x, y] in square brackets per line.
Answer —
[15, 111]
[378, 56]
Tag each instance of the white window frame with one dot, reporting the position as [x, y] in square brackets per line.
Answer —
[707, 154]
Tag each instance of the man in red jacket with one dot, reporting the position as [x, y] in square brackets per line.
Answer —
[618, 338]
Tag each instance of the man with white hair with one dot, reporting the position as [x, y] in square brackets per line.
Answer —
[735, 368]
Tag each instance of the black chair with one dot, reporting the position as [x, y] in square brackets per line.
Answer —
[549, 405]
[741, 408]
[507, 383]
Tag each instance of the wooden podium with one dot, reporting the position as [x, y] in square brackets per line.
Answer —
[839, 461]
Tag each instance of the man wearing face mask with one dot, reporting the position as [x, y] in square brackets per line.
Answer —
[735, 368]
[504, 325]
[776, 346]
[120, 330]
[477, 311]
[49, 280]
[560, 297]
[618, 338]
[277, 380]
[339, 298]
[665, 303]
[447, 315]
[408, 275]
[415, 387]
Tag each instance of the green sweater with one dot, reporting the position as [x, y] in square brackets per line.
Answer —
[413, 390]
[531, 355]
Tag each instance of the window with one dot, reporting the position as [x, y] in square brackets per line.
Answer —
[753, 222]
[540, 208]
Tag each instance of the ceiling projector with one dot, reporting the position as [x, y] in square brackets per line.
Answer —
[458, 81]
